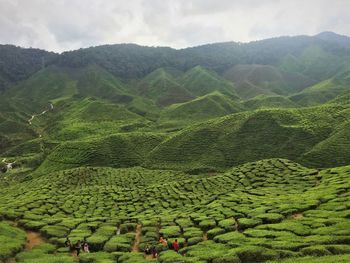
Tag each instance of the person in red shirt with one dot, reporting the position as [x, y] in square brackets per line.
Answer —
[176, 245]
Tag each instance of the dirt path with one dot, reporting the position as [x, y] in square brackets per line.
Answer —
[297, 216]
[205, 236]
[42, 113]
[135, 247]
[33, 239]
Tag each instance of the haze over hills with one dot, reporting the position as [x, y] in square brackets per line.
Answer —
[104, 138]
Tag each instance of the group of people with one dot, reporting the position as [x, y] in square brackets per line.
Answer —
[166, 245]
[77, 246]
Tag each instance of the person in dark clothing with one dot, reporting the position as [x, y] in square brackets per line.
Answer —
[78, 247]
[154, 252]
[147, 250]
[68, 244]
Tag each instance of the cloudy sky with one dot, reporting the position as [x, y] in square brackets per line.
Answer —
[60, 25]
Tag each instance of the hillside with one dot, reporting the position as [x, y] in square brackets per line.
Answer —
[324, 91]
[254, 135]
[20, 63]
[263, 101]
[199, 81]
[202, 108]
[163, 88]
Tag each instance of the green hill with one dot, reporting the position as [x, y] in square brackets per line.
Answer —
[18, 63]
[162, 87]
[41, 88]
[263, 101]
[97, 82]
[253, 135]
[74, 119]
[200, 81]
[202, 108]
[324, 91]
[119, 150]
[253, 80]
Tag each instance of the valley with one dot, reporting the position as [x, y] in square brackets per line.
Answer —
[241, 152]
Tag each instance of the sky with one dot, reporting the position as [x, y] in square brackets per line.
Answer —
[62, 25]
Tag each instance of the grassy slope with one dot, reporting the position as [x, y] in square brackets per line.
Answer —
[263, 101]
[162, 87]
[200, 82]
[89, 118]
[118, 150]
[324, 91]
[97, 82]
[250, 136]
[253, 80]
[209, 106]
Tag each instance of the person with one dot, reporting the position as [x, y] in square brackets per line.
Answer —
[176, 246]
[85, 246]
[67, 243]
[165, 243]
[78, 247]
[147, 250]
[154, 252]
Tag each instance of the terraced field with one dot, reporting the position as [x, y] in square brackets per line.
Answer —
[123, 144]
[266, 210]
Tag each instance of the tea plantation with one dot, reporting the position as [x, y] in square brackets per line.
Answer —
[239, 151]
[267, 210]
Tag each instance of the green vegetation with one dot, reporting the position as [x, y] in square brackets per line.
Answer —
[262, 200]
[241, 152]
[296, 134]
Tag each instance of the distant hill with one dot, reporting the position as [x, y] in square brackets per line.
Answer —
[214, 105]
[209, 106]
[324, 91]
[163, 88]
[254, 135]
[199, 81]
[263, 101]
[18, 63]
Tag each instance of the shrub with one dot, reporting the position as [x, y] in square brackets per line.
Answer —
[229, 237]
[214, 232]
[270, 218]
[228, 224]
[12, 240]
[98, 257]
[248, 254]
[244, 223]
[194, 240]
[317, 250]
[227, 258]
[170, 231]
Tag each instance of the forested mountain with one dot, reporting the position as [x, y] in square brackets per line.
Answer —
[19, 63]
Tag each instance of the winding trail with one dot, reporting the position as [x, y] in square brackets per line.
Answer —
[136, 246]
[9, 166]
[42, 113]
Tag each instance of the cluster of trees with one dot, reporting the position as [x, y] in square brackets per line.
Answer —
[19, 63]
[130, 61]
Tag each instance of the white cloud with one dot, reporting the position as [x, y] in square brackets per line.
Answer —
[69, 24]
